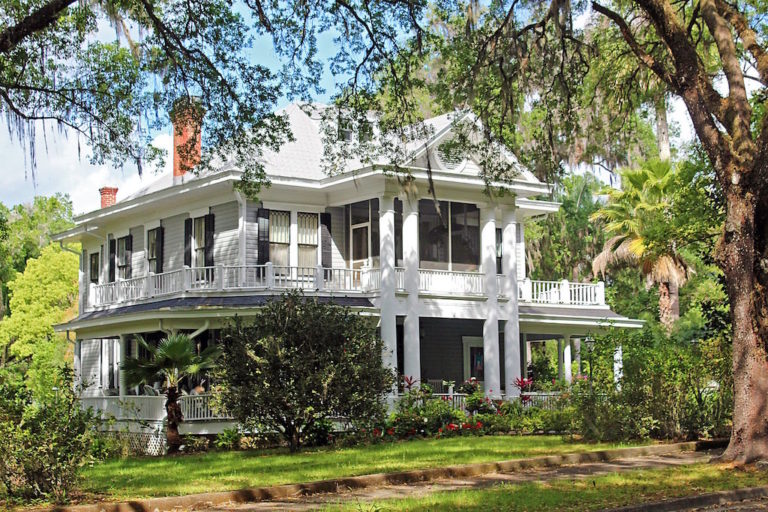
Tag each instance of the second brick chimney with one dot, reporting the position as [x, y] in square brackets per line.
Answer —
[186, 118]
[108, 196]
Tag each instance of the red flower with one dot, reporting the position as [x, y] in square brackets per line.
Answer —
[376, 432]
[479, 425]
[440, 430]
[391, 431]
[451, 426]
[466, 426]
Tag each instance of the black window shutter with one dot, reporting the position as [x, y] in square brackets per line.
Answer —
[188, 242]
[159, 249]
[112, 255]
[326, 256]
[209, 230]
[128, 256]
[262, 220]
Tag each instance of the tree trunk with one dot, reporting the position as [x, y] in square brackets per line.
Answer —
[665, 307]
[746, 281]
[674, 299]
[174, 417]
[662, 129]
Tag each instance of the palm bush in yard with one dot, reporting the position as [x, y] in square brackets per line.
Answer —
[173, 359]
[300, 362]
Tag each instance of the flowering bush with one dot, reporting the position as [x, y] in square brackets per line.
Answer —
[469, 386]
[477, 403]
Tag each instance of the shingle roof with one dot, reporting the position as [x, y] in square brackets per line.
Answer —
[303, 156]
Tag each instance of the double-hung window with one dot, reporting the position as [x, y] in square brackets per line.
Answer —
[198, 239]
[124, 257]
[307, 239]
[93, 267]
[153, 250]
[280, 239]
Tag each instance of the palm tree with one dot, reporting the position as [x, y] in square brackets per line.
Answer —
[636, 220]
[173, 359]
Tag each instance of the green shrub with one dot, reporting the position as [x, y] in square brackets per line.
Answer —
[228, 439]
[195, 444]
[494, 423]
[43, 442]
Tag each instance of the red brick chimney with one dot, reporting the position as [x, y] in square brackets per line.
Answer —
[186, 118]
[108, 196]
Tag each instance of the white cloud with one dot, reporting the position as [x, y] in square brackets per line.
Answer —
[59, 169]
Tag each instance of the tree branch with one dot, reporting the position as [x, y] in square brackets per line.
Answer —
[39, 20]
[747, 36]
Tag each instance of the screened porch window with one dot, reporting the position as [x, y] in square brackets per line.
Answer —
[307, 239]
[449, 235]
[280, 238]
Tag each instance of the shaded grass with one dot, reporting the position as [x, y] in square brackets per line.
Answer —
[593, 493]
[218, 471]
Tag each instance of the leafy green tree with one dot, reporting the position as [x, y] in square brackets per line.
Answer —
[43, 295]
[301, 362]
[173, 359]
[562, 245]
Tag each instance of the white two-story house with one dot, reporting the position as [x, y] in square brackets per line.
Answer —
[443, 275]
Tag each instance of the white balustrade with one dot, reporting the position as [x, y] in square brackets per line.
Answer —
[365, 280]
[443, 281]
[152, 408]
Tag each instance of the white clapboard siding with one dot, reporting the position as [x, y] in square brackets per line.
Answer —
[337, 236]
[173, 242]
[226, 239]
[251, 234]
[90, 366]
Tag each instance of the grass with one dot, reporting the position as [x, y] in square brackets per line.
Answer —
[599, 492]
[218, 471]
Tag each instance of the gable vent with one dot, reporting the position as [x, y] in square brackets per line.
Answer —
[449, 158]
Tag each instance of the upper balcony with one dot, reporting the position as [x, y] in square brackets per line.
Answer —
[269, 278]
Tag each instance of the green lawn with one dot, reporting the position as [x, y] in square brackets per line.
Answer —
[217, 471]
[615, 490]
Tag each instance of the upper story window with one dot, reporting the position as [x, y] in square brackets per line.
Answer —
[198, 241]
[280, 237]
[307, 238]
[449, 235]
[93, 267]
[155, 250]
[124, 257]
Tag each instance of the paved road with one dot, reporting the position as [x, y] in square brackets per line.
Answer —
[424, 489]
[759, 504]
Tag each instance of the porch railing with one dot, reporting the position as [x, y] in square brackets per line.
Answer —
[363, 280]
[152, 408]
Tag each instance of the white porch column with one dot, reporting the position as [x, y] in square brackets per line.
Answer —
[618, 365]
[122, 387]
[411, 339]
[567, 370]
[293, 248]
[512, 348]
[387, 257]
[491, 363]
[560, 369]
[83, 282]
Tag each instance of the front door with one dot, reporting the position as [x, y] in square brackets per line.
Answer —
[474, 360]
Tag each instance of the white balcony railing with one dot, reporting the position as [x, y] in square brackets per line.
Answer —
[335, 280]
[152, 408]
